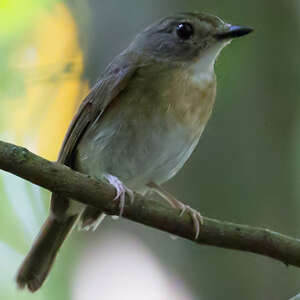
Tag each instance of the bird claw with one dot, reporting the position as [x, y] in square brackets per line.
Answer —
[195, 215]
[121, 191]
[92, 224]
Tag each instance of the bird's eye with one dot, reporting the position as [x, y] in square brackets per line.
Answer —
[184, 30]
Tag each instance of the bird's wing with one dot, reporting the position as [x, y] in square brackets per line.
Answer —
[115, 79]
[112, 82]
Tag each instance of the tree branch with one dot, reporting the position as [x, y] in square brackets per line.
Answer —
[61, 179]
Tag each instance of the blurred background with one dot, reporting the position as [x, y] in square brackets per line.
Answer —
[245, 170]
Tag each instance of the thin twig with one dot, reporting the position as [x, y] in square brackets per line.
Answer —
[61, 179]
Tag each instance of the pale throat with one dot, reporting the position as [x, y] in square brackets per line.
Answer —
[202, 70]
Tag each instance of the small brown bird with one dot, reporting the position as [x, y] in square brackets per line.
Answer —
[139, 124]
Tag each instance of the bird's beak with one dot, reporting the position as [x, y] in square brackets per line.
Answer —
[233, 32]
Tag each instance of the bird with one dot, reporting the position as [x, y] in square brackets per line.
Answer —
[138, 125]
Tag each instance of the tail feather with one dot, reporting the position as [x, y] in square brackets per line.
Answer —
[41, 256]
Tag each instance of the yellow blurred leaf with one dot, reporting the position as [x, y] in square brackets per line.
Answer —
[51, 61]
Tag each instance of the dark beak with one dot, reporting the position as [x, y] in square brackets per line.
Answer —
[233, 32]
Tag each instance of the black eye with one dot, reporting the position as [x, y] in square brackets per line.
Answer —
[184, 30]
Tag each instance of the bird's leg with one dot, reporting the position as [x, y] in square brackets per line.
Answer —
[195, 215]
[121, 190]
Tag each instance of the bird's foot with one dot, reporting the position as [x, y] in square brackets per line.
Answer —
[121, 191]
[92, 223]
[195, 215]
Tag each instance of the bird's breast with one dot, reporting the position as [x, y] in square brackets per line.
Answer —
[150, 130]
[183, 95]
[189, 99]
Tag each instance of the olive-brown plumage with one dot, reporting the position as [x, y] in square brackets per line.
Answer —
[139, 124]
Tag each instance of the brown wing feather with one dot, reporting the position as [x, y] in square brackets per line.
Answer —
[112, 82]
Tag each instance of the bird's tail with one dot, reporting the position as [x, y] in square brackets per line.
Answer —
[41, 256]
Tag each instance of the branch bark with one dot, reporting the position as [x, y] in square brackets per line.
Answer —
[61, 179]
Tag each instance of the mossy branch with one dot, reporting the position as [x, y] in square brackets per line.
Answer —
[61, 179]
